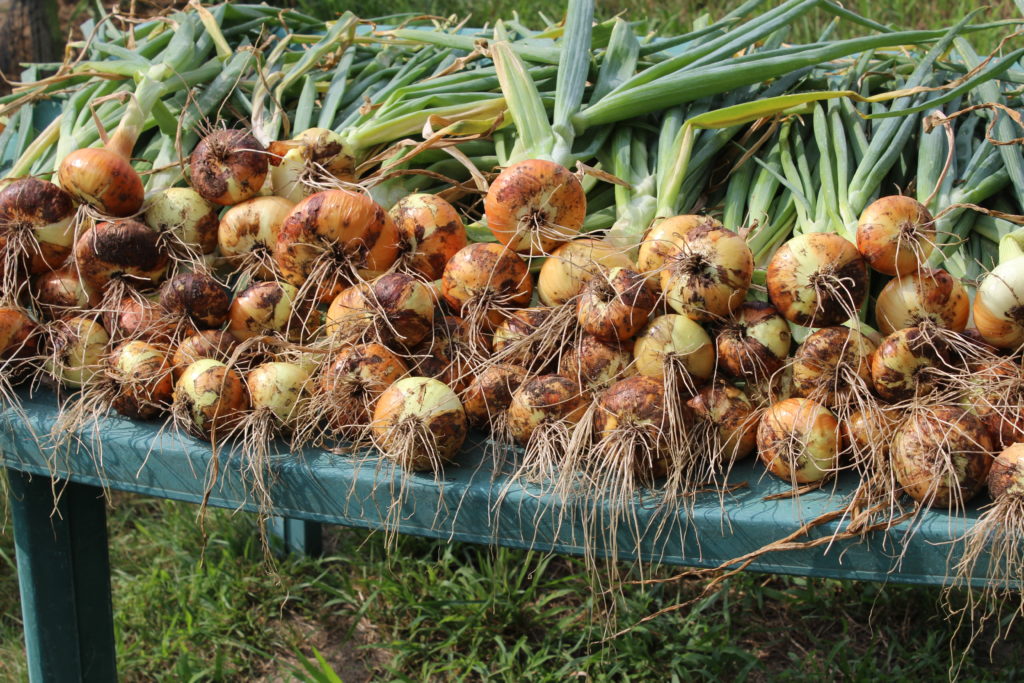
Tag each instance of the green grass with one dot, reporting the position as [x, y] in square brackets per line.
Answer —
[431, 610]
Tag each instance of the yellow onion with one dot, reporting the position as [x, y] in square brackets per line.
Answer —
[706, 272]
[832, 363]
[144, 383]
[571, 266]
[543, 400]
[419, 423]
[104, 179]
[142, 318]
[616, 305]
[430, 232]
[521, 340]
[394, 309]
[1006, 476]
[210, 398]
[927, 296]
[754, 342]
[186, 217]
[907, 363]
[489, 394]
[895, 234]
[664, 239]
[941, 456]
[279, 389]
[870, 430]
[631, 423]
[35, 225]
[678, 341]
[730, 413]
[77, 347]
[353, 380]
[297, 165]
[247, 234]
[197, 298]
[19, 334]
[63, 291]
[270, 308]
[535, 205]
[817, 279]
[999, 305]
[215, 344]
[483, 280]
[123, 251]
[798, 440]
[227, 167]
[595, 364]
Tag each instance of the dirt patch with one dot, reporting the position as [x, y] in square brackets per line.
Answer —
[346, 647]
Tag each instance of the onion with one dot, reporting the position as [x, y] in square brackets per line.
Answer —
[196, 298]
[62, 291]
[394, 309]
[676, 342]
[76, 348]
[103, 179]
[298, 165]
[181, 215]
[833, 366]
[706, 273]
[248, 232]
[19, 337]
[630, 423]
[139, 318]
[451, 353]
[141, 373]
[228, 167]
[35, 226]
[332, 237]
[907, 363]
[528, 337]
[1006, 476]
[798, 440]
[870, 431]
[123, 251]
[594, 364]
[754, 343]
[489, 394]
[352, 381]
[927, 296]
[664, 239]
[278, 390]
[817, 280]
[270, 308]
[483, 280]
[214, 344]
[419, 423]
[566, 272]
[999, 305]
[430, 232]
[544, 400]
[941, 456]
[209, 399]
[730, 415]
[535, 205]
[895, 234]
[616, 305]
[995, 393]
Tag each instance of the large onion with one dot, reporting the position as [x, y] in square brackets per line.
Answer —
[247, 234]
[928, 296]
[616, 305]
[77, 347]
[675, 340]
[999, 305]
[798, 440]
[142, 374]
[664, 239]
[419, 423]
[832, 364]
[183, 215]
[35, 224]
[817, 279]
[123, 251]
[707, 272]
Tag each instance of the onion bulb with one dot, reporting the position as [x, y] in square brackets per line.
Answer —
[351, 382]
[673, 345]
[124, 251]
[484, 280]
[999, 305]
[870, 430]
[595, 364]
[535, 205]
[210, 399]
[393, 309]
[706, 273]
[278, 390]
[228, 167]
[76, 349]
[35, 225]
[419, 424]
[895, 234]
[214, 344]
[248, 232]
[817, 279]
[182, 216]
[754, 342]
[196, 298]
[566, 272]
[269, 308]
[430, 232]
[527, 337]
[544, 400]
[941, 456]
[489, 394]
[103, 179]
[142, 375]
[730, 415]
[664, 238]
[907, 363]
[136, 317]
[630, 423]
[19, 335]
[615, 305]
[929, 296]
[798, 440]
[62, 291]
[299, 165]
[833, 365]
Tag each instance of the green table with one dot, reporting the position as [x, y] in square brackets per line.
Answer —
[64, 569]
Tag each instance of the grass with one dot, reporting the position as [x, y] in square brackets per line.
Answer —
[431, 610]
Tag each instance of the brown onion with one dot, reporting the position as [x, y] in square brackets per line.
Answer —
[430, 232]
[228, 167]
[832, 364]
[798, 440]
[817, 279]
[615, 306]
[197, 298]
[125, 250]
[754, 343]
[482, 280]
[419, 423]
[926, 296]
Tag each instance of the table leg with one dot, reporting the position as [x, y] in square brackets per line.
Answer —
[296, 535]
[64, 577]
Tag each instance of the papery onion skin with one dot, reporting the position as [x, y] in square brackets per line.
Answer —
[487, 275]
[63, 291]
[732, 413]
[212, 396]
[999, 305]
[927, 296]
[534, 205]
[145, 384]
[19, 334]
[125, 249]
[266, 308]
[571, 266]
[1006, 476]
[805, 426]
[872, 430]
[615, 307]
[367, 369]
[196, 297]
[518, 339]
[902, 365]
[923, 444]
[435, 409]
[44, 209]
[817, 279]
[280, 388]
[896, 234]
[826, 356]
[250, 226]
[707, 272]
[543, 399]
[755, 342]
[138, 318]
[663, 239]
[430, 232]
[104, 180]
[214, 344]
[182, 212]
[228, 167]
[489, 394]
[78, 348]
[595, 364]
[674, 336]
[637, 403]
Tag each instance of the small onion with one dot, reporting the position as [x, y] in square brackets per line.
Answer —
[483, 279]
[1006, 476]
[730, 413]
[210, 398]
[297, 163]
[670, 339]
[754, 343]
[535, 205]
[707, 272]
[817, 279]
[595, 364]
[832, 363]
[798, 440]
[248, 232]
[430, 232]
[419, 423]
[62, 291]
[927, 296]
[895, 234]
[77, 349]
[35, 224]
[520, 338]
[541, 400]
[664, 239]
[616, 305]
[999, 305]
[631, 423]
[279, 389]
[228, 167]
[125, 250]
[907, 363]
[566, 272]
[941, 456]
[354, 379]
[215, 344]
[489, 394]
[142, 374]
[184, 215]
[197, 298]
[996, 395]
[138, 318]
[268, 308]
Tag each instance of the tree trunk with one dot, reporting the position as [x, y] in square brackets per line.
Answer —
[30, 33]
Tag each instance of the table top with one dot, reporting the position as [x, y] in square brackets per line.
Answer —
[472, 501]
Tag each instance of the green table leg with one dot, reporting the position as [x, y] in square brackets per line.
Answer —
[64, 576]
[296, 535]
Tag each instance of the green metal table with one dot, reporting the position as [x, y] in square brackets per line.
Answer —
[63, 560]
